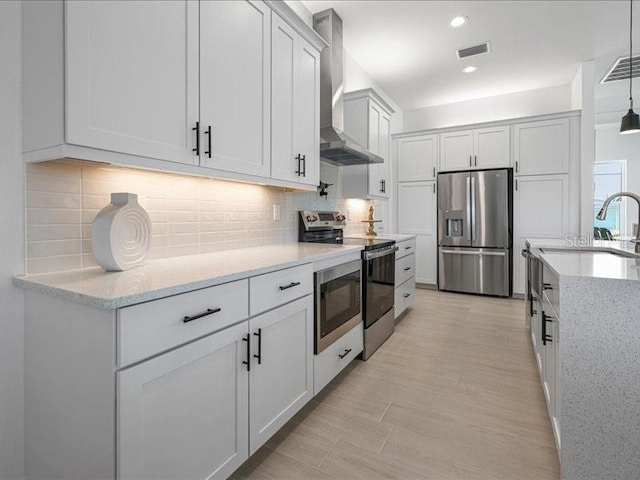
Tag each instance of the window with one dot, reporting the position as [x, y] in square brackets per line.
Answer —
[609, 178]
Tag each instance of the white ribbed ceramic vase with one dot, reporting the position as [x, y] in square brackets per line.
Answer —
[121, 233]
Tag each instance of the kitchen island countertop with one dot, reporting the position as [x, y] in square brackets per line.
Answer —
[172, 276]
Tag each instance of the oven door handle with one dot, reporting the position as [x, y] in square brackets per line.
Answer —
[373, 254]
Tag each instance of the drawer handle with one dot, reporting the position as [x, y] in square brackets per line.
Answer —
[407, 248]
[247, 362]
[346, 352]
[200, 315]
[259, 354]
[547, 286]
[407, 269]
[407, 295]
[291, 285]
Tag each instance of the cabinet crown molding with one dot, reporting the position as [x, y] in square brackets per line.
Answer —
[372, 94]
[494, 123]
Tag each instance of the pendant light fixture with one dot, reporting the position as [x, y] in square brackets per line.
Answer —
[631, 121]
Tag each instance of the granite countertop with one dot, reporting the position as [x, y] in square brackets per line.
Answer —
[398, 237]
[172, 276]
[602, 263]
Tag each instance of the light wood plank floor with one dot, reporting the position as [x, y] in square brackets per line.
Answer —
[453, 394]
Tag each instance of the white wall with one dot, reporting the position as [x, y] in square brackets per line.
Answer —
[355, 78]
[11, 246]
[576, 90]
[499, 107]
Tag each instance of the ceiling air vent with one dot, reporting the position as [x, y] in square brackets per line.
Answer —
[474, 50]
[620, 70]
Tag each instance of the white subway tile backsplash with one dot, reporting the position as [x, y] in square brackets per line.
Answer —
[53, 232]
[53, 216]
[54, 263]
[190, 215]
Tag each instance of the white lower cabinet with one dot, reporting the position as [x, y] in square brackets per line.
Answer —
[281, 376]
[405, 275]
[545, 339]
[331, 361]
[190, 393]
[217, 400]
[185, 414]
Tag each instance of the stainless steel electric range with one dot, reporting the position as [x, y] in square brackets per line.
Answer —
[377, 273]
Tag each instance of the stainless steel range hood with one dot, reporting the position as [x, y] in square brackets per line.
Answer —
[336, 147]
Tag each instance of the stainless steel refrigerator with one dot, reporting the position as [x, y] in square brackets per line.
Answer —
[475, 224]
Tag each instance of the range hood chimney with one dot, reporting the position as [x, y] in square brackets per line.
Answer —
[336, 147]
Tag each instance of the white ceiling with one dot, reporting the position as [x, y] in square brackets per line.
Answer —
[408, 48]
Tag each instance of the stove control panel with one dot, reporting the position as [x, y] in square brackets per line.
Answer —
[315, 220]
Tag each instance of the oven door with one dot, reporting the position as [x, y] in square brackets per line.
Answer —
[337, 302]
[379, 285]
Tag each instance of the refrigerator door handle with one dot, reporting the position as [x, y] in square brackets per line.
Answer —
[468, 220]
[473, 209]
[474, 252]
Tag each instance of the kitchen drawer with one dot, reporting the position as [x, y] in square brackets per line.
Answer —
[277, 288]
[152, 327]
[332, 360]
[405, 268]
[404, 296]
[551, 287]
[405, 248]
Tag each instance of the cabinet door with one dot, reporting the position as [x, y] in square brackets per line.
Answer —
[417, 158]
[185, 414]
[375, 179]
[235, 86]
[384, 170]
[417, 215]
[284, 61]
[281, 380]
[132, 77]
[307, 125]
[542, 148]
[540, 210]
[456, 150]
[492, 147]
[557, 384]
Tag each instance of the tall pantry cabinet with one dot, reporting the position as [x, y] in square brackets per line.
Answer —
[417, 159]
[546, 176]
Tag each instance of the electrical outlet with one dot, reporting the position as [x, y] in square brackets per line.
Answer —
[276, 212]
[348, 214]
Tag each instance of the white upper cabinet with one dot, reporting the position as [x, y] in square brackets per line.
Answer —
[367, 119]
[456, 150]
[475, 149]
[235, 86]
[177, 85]
[491, 147]
[542, 148]
[417, 158]
[295, 97]
[131, 71]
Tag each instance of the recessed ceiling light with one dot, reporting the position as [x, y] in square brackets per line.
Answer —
[458, 21]
[469, 69]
